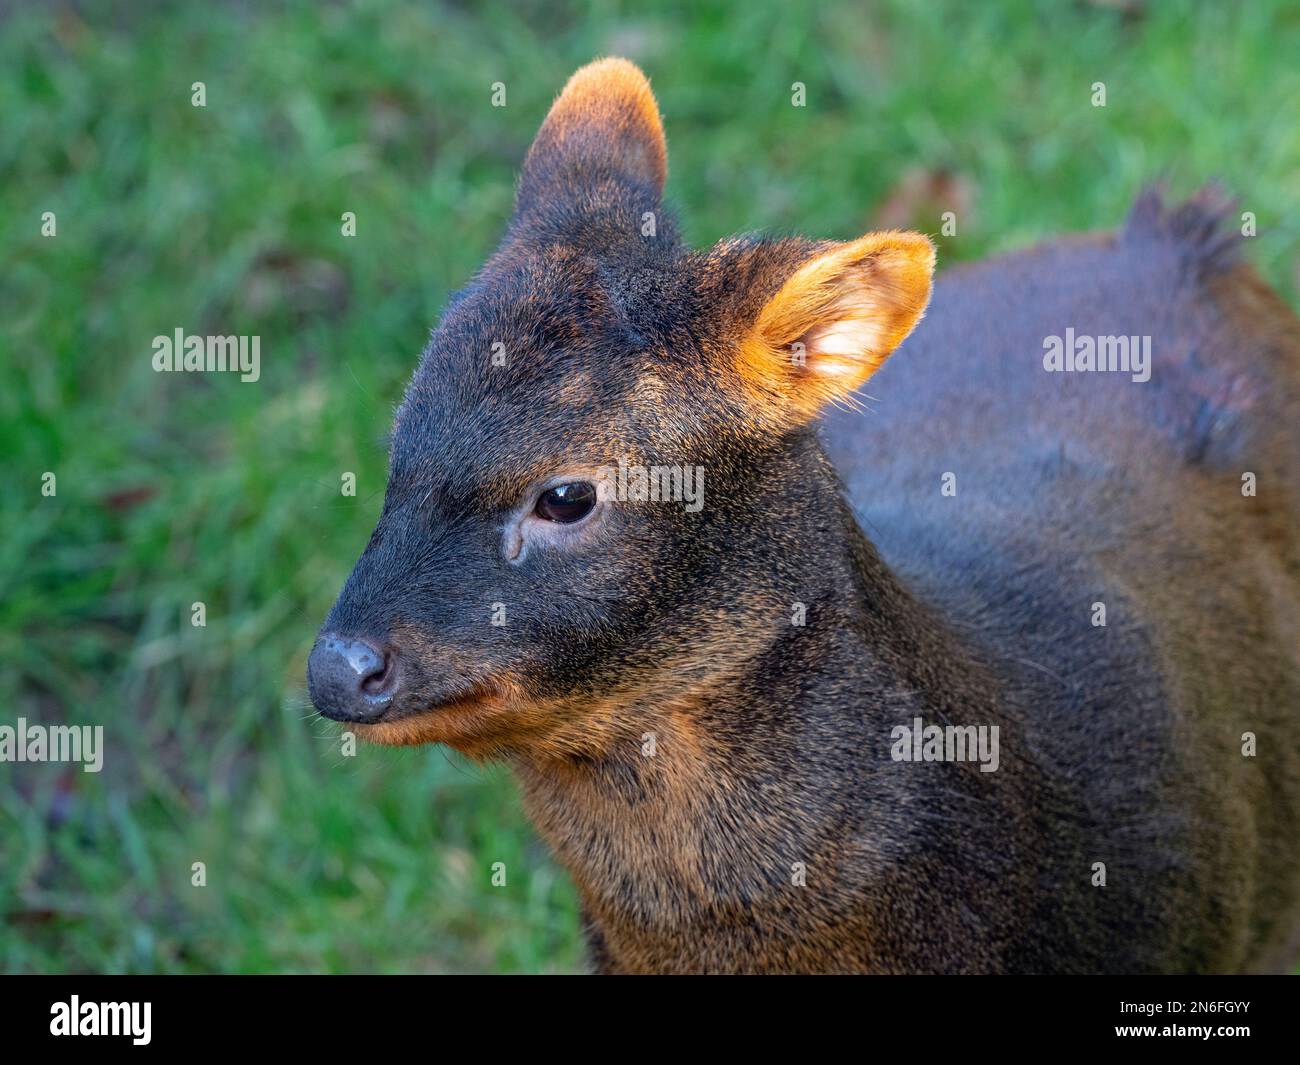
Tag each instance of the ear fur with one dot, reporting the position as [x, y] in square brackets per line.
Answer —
[604, 126]
[834, 322]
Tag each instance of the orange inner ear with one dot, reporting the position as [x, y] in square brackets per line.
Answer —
[835, 321]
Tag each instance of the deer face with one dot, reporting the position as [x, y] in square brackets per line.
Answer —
[594, 462]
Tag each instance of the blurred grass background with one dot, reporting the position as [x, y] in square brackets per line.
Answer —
[226, 219]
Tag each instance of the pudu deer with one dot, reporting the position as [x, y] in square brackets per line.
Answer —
[1000, 676]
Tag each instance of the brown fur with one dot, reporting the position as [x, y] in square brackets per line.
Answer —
[717, 776]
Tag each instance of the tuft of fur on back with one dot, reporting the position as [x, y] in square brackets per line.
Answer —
[1196, 227]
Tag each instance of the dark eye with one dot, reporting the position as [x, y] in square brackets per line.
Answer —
[567, 503]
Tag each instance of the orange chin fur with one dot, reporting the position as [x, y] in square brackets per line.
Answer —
[498, 722]
[507, 721]
[476, 725]
[504, 719]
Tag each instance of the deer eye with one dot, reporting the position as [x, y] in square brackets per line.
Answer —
[567, 503]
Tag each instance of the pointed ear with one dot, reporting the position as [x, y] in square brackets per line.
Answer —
[834, 322]
[603, 127]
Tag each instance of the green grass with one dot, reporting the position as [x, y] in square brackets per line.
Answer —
[226, 219]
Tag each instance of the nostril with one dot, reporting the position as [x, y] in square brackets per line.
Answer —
[369, 668]
[380, 679]
[351, 679]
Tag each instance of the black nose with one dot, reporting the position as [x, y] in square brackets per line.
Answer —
[350, 679]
